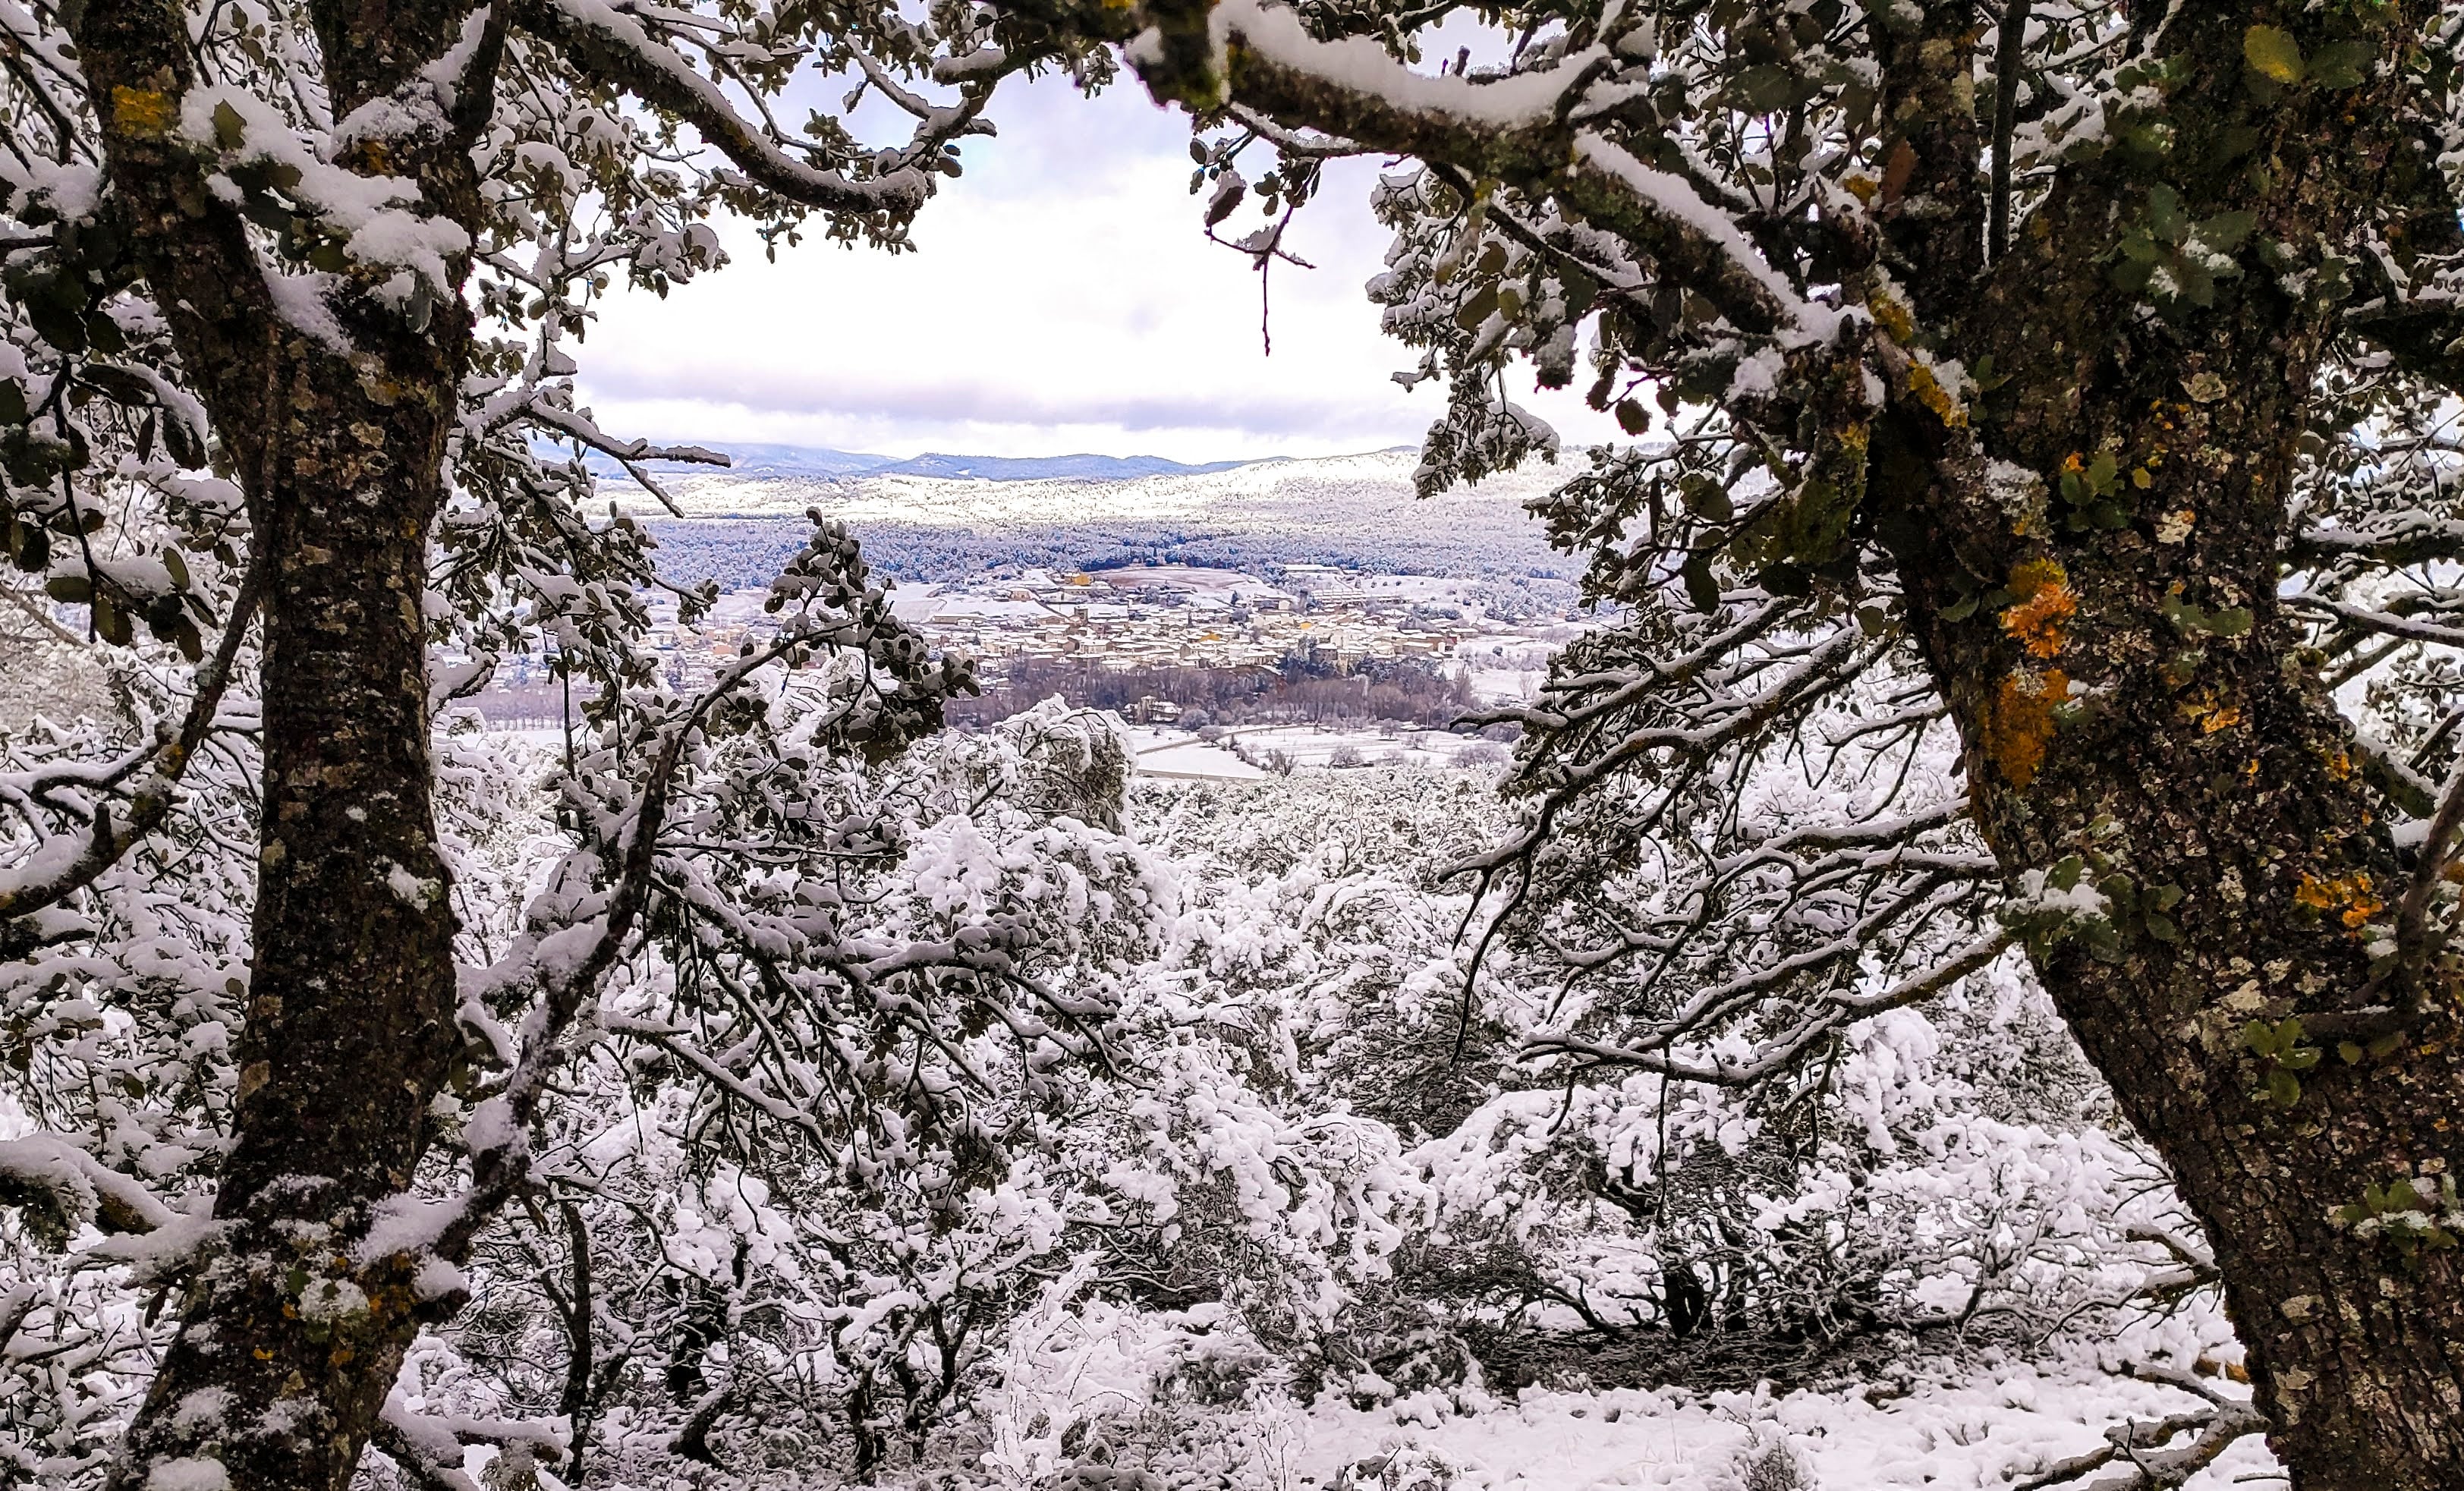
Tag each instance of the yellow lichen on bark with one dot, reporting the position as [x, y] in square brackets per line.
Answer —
[1930, 393]
[2021, 722]
[143, 111]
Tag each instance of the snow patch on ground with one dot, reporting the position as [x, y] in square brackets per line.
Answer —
[1979, 1432]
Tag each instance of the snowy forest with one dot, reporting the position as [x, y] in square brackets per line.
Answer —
[1953, 986]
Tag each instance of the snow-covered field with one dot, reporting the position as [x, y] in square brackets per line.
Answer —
[1984, 1432]
[1170, 754]
[1249, 752]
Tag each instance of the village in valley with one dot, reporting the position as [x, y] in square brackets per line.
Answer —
[1228, 653]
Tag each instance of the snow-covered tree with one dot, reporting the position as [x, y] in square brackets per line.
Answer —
[292, 294]
[2044, 450]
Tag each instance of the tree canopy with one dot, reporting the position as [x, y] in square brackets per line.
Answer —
[2042, 445]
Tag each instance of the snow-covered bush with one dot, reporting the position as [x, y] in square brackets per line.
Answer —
[1313, 1151]
[1944, 1174]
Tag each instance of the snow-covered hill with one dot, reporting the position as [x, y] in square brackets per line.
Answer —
[772, 462]
[1344, 491]
[1355, 510]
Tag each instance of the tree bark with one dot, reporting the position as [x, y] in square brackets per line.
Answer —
[294, 1327]
[292, 1334]
[2142, 702]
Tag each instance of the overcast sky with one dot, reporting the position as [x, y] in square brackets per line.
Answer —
[1062, 299]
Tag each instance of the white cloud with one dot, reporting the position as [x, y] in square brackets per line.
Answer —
[1062, 298]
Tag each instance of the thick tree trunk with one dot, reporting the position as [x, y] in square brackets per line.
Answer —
[2236, 786]
[2132, 695]
[292, 1335]
[2226, 781]
[292, 1330]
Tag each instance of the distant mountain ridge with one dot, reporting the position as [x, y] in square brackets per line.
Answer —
[810, 463]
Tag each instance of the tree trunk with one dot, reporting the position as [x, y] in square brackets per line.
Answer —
[2142, 705]
[294, 1329]
[292, 1335]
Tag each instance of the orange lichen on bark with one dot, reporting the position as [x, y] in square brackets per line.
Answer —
[2350, 897]
[2021, 722]
[2039, 619]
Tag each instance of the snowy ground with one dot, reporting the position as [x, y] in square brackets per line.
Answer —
[1236, 755]
[1172, 753]
[1315, 746]
[1982, 1433]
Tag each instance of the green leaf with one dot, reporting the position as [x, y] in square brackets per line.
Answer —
[2226, 232]
[2164, 217]
[2229, 623]
[2283, 1088]
[2342, 64]
[2101, 472]
[231, 130]
[2273, 53]
[2196, 284]
[180, 438]
[2130, 276]
[1701, 588]
[2161, 926]
[1763, 89]
[67, 589]
[110, 622]
[1706, 498]
[56, 307]
[2235, 142]
[1476, 309]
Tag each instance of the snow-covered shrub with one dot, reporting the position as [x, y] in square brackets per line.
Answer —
[1770, 1463]
[1946, 1173]
[1401, 1467]
[1314, 1153]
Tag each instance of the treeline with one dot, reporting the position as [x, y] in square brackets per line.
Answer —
[1404, 691]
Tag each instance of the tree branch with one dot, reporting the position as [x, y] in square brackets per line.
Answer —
[60, 867]
[614, 48]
